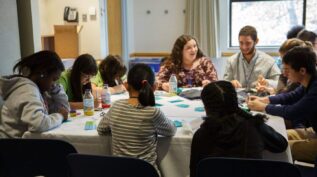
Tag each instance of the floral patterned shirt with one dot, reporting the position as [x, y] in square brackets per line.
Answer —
[202, 69]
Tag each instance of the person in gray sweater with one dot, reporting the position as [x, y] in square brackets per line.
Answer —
[32, 101]
[244, 68]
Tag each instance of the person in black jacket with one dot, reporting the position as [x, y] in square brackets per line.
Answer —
[229, 131]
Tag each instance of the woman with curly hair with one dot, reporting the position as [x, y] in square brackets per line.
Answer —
[188, 63]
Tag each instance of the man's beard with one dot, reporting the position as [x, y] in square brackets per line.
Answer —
[251, 51]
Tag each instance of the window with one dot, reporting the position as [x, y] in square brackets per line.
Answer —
[311, 15]
[271, 18]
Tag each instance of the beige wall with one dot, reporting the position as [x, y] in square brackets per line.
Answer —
[51, 13]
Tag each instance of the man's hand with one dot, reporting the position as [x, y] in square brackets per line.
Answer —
[236, 84]
[256, 105]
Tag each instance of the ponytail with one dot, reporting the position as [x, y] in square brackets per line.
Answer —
[146, 95]
[142, 78]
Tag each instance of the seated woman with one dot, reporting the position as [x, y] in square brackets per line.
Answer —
[32, 101]
[110, 71]
[77, 79]
[189, 65]
[228, 131]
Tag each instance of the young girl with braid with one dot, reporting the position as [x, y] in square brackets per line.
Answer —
[135, 123]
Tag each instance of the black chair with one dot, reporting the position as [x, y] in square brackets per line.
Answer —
[315, 167]
[34, 157]
[237, 167]
[109, 166]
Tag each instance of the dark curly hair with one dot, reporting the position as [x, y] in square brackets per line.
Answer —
[175, 60]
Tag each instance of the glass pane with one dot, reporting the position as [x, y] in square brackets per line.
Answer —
[272, 19]
[311, 15]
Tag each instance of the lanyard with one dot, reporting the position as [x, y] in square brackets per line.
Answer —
[247, 79]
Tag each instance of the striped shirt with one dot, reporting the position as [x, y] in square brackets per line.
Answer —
[134, 130]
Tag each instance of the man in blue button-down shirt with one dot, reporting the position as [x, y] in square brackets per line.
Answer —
[299, 64]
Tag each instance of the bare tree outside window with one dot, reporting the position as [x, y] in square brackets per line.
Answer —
[272, 19]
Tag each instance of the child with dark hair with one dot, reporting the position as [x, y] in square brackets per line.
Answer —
[110, 71]
[32, 101]
[135, 123]
[292, 33]
[228, 131]
[77, 79]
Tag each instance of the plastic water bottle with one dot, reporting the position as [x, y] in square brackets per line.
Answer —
[106, 96]
[173, 84]
[88, 101]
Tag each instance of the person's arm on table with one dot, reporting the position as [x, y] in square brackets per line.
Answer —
[162, 78]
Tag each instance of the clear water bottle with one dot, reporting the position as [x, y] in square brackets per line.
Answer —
[88, 101]
[173, 84]
[106, 96]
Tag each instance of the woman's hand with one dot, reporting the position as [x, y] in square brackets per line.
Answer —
[166, 86]
[205, 82]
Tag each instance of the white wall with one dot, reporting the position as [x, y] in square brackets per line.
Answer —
[157, 31]
[51, 13]
[9, 36]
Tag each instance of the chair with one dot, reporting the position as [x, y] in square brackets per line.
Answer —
[315, 167]
[109, 166]
[34, 157]
[238, 167]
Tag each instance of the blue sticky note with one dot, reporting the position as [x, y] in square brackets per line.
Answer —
[158, 104]
[177, 123]
[199, 109]
[90, 125]
[158, 98]
[183, 105]
[175, 101]
[64, 121]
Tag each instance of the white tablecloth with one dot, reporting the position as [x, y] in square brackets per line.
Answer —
[173, 153]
